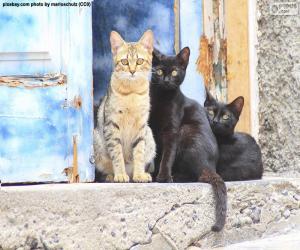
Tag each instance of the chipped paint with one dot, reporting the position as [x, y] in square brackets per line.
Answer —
[69, 173]
[212, 61]
[31, 82]
[213, 71]
[204, 61]
[77, 102]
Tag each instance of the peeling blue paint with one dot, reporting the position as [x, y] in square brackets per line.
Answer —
[37, 125]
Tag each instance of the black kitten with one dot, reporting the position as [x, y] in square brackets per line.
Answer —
[187, 150]
[239, 154]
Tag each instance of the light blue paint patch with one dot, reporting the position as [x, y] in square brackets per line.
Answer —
[4, 19]
[34, 131]
[190, 33]
[28, 20]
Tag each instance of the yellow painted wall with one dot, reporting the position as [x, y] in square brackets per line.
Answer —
[236, 23]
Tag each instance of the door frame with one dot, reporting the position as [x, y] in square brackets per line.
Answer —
[228, 57]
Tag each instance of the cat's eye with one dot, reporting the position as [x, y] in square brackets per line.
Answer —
[174, 73]
[211, 112]
[225, 117]
[159, 72]
[124, 61]
[140, 61]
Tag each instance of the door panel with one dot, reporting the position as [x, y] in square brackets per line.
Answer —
[33, 133]
[30, 41]
[34, 115]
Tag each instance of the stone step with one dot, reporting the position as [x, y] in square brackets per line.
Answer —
[143, 216]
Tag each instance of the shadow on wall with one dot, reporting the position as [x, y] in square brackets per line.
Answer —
[130, 18]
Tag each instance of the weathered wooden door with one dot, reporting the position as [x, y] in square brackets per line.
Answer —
[45, 93]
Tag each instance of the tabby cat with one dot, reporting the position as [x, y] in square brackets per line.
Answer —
[123, 142]
[187, 150]
[239, 155]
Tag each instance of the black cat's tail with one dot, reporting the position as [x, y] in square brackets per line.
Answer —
[220, 192]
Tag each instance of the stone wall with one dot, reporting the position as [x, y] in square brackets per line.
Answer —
[278, 71]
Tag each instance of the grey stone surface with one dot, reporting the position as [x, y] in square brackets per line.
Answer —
[279, 89]
[257, 210]
[142, 216]
[288, 241]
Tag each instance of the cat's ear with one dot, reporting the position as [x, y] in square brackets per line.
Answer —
[209, 100]
[184, 56]
[147, 40]
[156, 54]
[116, 41]
[237, 105]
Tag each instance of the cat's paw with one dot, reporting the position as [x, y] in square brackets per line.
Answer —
[121, 178]
[142, 177]
[164, 178]
[109, 178]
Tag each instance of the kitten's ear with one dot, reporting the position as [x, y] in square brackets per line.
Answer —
[184, 56]
[210, 100]
[116, 41]
[147, 40]
[156, 53]
[157, 56]
[237, 105]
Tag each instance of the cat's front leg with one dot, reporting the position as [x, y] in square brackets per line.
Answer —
[139, 174]
[169, 145]
[114, 148]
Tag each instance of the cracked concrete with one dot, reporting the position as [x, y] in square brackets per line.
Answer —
[142, 216]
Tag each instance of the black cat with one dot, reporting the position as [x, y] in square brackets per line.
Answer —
[239, 155]
[187, 150]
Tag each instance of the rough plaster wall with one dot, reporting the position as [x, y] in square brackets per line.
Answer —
[279, 89]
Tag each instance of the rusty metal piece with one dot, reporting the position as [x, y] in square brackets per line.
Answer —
[75, 175]
[33, 81]
[77, 102]
[69, 173]
[72, 172]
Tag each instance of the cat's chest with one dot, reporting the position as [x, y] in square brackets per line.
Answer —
[133, 106]
[131, 111]
[165, 114]
[230, 152]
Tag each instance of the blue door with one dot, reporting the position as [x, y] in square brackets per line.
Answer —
[45, 93]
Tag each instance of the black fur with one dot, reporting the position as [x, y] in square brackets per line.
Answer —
[239, 154]
[187, 150]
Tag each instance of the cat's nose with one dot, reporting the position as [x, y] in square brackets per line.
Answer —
[132, 72]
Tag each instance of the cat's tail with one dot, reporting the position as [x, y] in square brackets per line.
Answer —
[220, 192]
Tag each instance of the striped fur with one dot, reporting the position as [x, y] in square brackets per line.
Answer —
[123, 142]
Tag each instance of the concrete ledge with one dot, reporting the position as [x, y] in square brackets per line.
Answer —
[143, 216]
